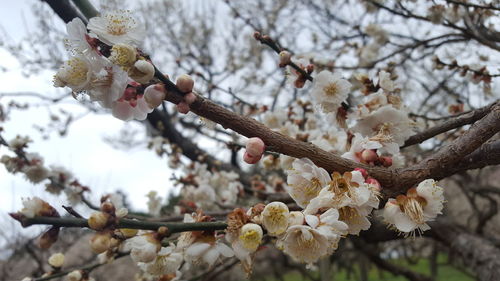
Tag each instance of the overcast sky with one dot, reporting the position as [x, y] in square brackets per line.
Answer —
[94, 162]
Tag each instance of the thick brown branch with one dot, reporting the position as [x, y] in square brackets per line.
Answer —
[448, 157]
[452, 123]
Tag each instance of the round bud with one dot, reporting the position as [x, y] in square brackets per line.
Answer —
[108, 207]
[251, 159]
[100, 242]
[369, 155]
[255, 147]
[98, 220]
[56, 260]
[75, 275]
[185, 83]
[153, 96]
[362, 171]
[142, 71]
[386, 161]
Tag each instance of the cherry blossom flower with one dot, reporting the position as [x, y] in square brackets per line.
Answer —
[275, 218]
[79, 41]
[144, 248]
[330, 90]
[385, 81]
[305, 181]
[167, 261]
[386, 125]
[409, 213]
[209, 253]
[117, 27]
[123, 55]
[305, 244]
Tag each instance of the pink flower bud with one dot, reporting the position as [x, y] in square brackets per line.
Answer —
[153, 96]
[373, 182]
[363, 172]
[369, 155]
[386, 161]
[251, 159]
[190, 97]
[183, 107]
[310, 68]
[185, 83]
[255, 147]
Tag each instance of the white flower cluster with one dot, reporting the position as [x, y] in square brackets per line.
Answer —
[33, 167]
[108, 67]
[207, 188]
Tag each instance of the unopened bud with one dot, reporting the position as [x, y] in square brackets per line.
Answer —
[142, 71]
[362, 171]
[285, 58]
[386, 161]
[374, 182]
[100, 242]
[75, 275]
[255, 147]
[185, 83]
[163, 231]
[310, 68]
[154, 95]
[257, 35]
[98, 220]
[369, 155]
[251, 159]
[108, 207]
[182, 107]
[56, 260]
[189, 98]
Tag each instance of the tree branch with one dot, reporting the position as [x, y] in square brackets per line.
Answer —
[452, 123]
[126, 223]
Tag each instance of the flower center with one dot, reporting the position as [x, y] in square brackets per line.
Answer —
[331, 90]
[276, 215]
[414, 208]
[251, 239]
[119, 24]
[72, 73]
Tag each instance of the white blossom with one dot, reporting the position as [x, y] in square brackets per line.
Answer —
[117, 27]
[386, 125]
[208, 253]
[410, 213]
[385, 81]
[330, 90]
[305, 180]
[167, 261]
[143, 248]
[275, 218]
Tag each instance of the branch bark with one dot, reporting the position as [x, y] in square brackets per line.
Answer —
[126, 223]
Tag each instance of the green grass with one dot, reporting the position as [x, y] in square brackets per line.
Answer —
[445, 272]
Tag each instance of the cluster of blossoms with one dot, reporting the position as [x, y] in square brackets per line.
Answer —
[58, 179]
[107, 65]
[208, 189]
